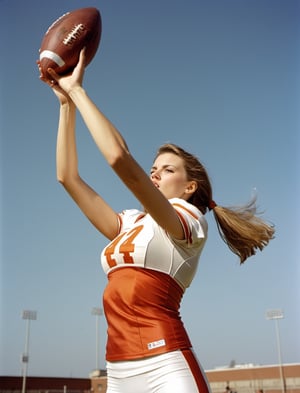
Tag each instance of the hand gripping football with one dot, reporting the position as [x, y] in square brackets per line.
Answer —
[64, 39]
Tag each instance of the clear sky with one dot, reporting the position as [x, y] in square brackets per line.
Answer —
[221, 79]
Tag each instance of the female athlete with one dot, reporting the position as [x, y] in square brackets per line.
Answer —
[153, 254]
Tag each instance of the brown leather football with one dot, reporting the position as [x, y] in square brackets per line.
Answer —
[64, 39]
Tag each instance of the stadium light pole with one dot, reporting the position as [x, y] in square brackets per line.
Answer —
[97, 312]
[275, 315]
[28, 315]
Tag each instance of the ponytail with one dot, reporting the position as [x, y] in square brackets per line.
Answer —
[242, 229]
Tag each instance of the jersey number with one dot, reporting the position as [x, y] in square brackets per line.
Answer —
[125, 243]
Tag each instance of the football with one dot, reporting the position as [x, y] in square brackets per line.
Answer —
[64, 39]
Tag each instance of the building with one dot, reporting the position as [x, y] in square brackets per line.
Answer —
[238, 379]
[253, 379]
[45, 384]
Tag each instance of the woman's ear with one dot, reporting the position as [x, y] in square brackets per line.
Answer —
[191, 187]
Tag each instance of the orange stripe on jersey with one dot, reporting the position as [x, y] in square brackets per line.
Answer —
[187, 210]
[139, 217]
[120, 222]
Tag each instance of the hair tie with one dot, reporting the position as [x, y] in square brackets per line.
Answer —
[212, 204]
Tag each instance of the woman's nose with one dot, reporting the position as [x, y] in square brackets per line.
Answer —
[155, 175]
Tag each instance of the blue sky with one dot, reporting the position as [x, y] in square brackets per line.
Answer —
[221, 79]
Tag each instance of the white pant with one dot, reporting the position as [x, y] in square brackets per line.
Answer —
[173, 372]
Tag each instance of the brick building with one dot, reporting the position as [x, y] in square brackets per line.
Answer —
[253, 379]
[246, 379]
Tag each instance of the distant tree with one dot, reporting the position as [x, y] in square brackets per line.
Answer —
[232, 364]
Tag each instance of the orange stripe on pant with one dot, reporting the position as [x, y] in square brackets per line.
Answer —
[196, 370]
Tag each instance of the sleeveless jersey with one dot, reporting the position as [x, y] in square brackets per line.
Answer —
[148, 272]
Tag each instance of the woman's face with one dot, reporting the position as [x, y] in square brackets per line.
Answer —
[168, 174]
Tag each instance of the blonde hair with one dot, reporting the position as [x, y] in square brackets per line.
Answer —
[241, 228]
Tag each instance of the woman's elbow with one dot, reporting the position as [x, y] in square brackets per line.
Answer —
[118, 157]
[61, 179]
[65, 178]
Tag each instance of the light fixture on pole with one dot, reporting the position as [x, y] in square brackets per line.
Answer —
[275, 315]
[97, 312]
[29, 315]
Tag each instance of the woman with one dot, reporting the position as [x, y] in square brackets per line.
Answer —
[153, 254]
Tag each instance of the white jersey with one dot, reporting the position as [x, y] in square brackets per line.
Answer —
[143, 243]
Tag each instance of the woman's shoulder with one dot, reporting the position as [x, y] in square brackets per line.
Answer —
[190, 213]
[184, 205]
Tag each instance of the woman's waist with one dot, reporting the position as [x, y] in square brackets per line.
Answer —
[139, 303]
[139, 288]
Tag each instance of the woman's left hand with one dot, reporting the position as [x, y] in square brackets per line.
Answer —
[71, 81]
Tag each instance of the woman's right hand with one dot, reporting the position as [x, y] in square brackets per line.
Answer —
[62, 96]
